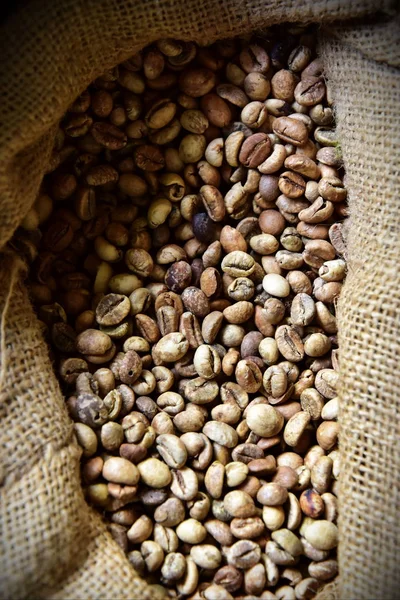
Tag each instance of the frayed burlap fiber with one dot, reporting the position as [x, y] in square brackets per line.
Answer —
[52, 544]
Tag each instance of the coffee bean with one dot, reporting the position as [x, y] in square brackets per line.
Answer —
[290, 131]
[289, 343]
[244, 554]
[112, 309]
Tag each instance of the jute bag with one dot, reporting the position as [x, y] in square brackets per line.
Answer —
[52, 544]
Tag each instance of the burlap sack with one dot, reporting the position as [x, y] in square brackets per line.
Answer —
[52, 544]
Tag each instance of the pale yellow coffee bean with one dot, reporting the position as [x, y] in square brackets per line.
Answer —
[264, 420]
[206, 556]
[268, 349]
[236, 472]
[120, 470]
[86, 438]
[273, 517]
[276, 285]
[154, 473]
[191, 531]
[322, 534]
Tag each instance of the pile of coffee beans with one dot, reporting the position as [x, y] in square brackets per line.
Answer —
[187, 250]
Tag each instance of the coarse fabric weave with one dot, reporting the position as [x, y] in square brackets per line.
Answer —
[52, 544]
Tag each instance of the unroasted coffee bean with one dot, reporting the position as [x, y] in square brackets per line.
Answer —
[174, 566]
[264, 420]
[221, 433]
[184, 483]
[287, 540]
[247, 452]
[154, 473]
[207, 362]
[248, 375]
[112, 309]
[247, 528]
[244, 554]
[239, 504]
[171, 347]
[196, 301]
[229, 577]
[179, 276]
[206, 556]
[172, 450]
[323, 535]
[214, 479]
[289, 343]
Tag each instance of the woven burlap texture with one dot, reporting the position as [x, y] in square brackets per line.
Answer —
[367, 95]
[52, 544]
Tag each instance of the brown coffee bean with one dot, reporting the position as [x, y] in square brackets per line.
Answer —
[272, 494]
[316, 252]
[310, 91]
[302, 310]
[256, 86]
[189, 326]
[93, 342]
[108, 135]
[148, 158]
[216, 110]
[292, 184]
[290, 130]
[262, 466]
[232, 93]
[286, 477]
[311, 504]
[269, 188]
[244, 554]
[254, 59]
[247, 452]
[229, 577]
[112, 309]
[247, 528]
[196, 82]
[254, 150]
[178, 276]
[127, 366]
[240, 312]
[319, 211]
[101, 175]
[195, 301]
[210, 281]
[300, 163]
